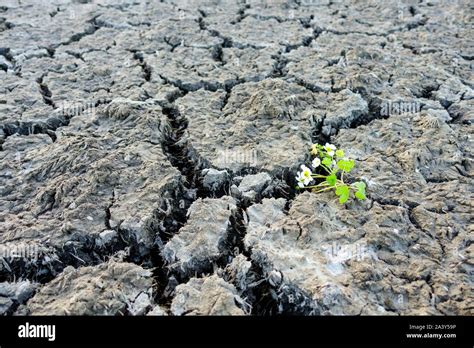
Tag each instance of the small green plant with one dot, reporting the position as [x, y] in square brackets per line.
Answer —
[334, 164]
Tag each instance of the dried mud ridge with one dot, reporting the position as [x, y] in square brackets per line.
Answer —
[148, 153]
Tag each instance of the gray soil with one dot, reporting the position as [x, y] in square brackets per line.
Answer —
[148, 153]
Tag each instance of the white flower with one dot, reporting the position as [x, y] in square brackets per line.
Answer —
[304, 177]
[330, 149]
[316, 162]
[306, 172]
[300, 183]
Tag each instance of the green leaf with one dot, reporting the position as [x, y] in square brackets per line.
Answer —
[343, 193]
[360, 186]
[345, 165]
[331, 179]
[327, 161]
[340, 153]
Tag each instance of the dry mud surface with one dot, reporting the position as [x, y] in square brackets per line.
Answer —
[148, 153]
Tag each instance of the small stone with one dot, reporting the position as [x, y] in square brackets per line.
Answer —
[214, 179]
[235, 192]
[140, 304]
[106, 237]
[274, 278]
[255, 182]
[157, 311]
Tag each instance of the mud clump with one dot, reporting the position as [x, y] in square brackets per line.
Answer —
[113, 288]
[206, 296]
[14, 294]
[202, 240]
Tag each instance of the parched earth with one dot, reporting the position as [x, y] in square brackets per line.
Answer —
[148, 153]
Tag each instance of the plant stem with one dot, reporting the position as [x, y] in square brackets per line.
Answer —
[326, 168]
[324, 189]
[318, 176]
[319, 185]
